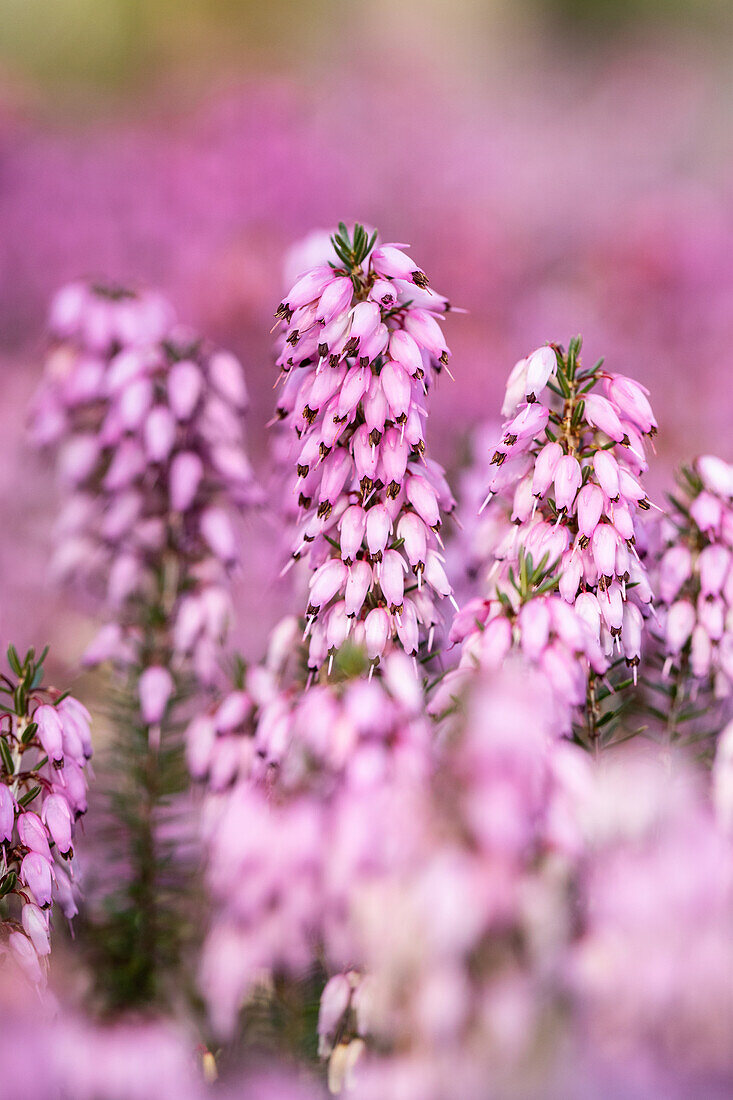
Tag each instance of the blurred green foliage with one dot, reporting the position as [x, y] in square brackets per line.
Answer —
[598, 17]
[130, 46]
[82, 49]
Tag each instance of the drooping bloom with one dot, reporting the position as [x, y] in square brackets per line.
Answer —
[360, 347]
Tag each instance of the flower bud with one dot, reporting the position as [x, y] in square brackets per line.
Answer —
[568, 478]
[603, 548]
[59, 822]
[701, 652]
[544, 468]
[32, 833]
[632, 629]
[393, 263]
[159, 433]
[540, 365]
[233, 711]
[423, 499]
[392, 578]
[365, 318]
[351, 527]
[358, 583]
[378, 529]
[407, 627]
[395, 382]
[200, 740]
[680, 623]
[602, 415]
[35, 924]
[309, 286]
[716, 475]
[335, 299]
[186, 472]
[338, 626]
[413, 531]
[327, 580]
[589, 508]
[26, 957]
[155, 689]
[185, 384]
[36, 872]
[425, 329]
[334, 1004]
[607, 471]
[7, 813]
[674, 570]
[217, 531]
[50, 732]
[377, 627]
[713, 564]
[630, 399]
[707, 512]
[534, 624]
[227, 376]
[405, 351]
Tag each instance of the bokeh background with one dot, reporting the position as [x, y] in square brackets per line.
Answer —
[559, 166]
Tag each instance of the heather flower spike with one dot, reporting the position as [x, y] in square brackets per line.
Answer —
[44, 748]
[565, 491]
[695, 581]
[147, 422]
[359, 349]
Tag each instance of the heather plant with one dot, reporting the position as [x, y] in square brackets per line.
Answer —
[689, 681]
[146, 420]
[331, 725]
[564, 579]
[412, 874]
[461, 935]
[359, 349]
[45, 745]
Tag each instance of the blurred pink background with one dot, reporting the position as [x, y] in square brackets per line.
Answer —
[558, 168]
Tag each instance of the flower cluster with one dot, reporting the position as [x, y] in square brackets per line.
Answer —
[541, 913]
[527, 617]
[562, 513]
[695, 577]
[460, 934]
[147, 421]
[649, 970]
[45, 744]
[294, 778]
[360, 346]
[573, 456]
[68, 1054]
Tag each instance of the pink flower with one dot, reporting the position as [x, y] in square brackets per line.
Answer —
[186, 473]
[50, 732]
[156, 688]
[567, 480]
[540, 365]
